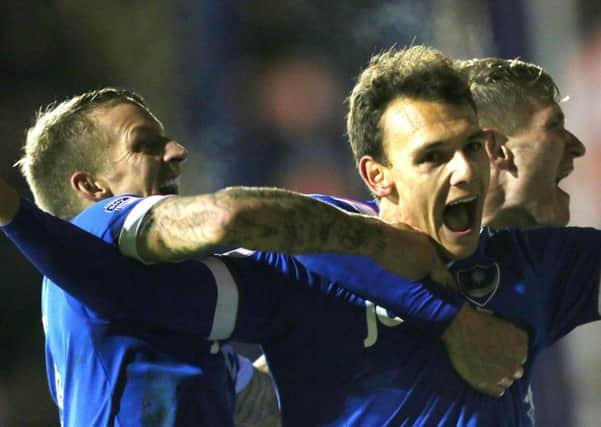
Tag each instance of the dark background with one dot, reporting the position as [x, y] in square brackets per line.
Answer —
[256, 90]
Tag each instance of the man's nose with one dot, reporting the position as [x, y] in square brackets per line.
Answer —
[461, 168]
[175, 152]
[574, 147]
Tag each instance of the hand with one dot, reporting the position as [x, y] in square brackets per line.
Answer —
[9, 203]
[421, 257]
[486, 351]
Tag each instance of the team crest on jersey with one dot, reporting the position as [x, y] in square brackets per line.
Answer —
[118, 204]
[479, 283]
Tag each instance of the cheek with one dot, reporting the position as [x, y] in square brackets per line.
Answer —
[541, 156]
[419, 202]
[145, 171]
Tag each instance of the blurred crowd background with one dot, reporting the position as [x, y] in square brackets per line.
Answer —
[256, 90]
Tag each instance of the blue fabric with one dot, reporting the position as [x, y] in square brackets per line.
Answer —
[103, 368]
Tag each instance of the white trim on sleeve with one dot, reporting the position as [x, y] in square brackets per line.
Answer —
[362, 207]
[226, 306]
[240, 253]
[128, 237]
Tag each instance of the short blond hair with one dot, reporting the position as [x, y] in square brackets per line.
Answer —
[65, 139]
[507, 91]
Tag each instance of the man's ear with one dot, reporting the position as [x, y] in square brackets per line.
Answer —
[376, 176]
[89, 187]
[499, 154]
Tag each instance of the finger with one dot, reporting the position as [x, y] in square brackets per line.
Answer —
[518, 353]
[519, 373]
[505, 370]
[492, 390]
[525, 357]
[505, 382]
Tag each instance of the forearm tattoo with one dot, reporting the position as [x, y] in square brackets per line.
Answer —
[261, 219]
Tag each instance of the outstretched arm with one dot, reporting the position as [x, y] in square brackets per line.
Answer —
[56, 247]
[276, 220]
[282, 221]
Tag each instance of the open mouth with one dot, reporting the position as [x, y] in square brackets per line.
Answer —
[170, 186]
[563, 174]
[459, 215]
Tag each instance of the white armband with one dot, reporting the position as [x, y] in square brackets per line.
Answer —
[128, 237]
[226, 305]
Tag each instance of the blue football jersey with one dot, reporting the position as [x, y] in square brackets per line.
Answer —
[361, 366]
[117, 331]
[340, 359]
[105, 370]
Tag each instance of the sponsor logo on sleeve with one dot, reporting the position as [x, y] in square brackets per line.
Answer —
[118, 204]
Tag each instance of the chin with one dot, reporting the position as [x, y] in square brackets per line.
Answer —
[169, 190]
[460, 251]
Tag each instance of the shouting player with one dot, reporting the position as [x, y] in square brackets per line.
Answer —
[415, 135]
[139, 331]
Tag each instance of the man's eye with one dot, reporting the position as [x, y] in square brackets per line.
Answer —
[147, 144]
[474, 147]
[555, 124]
[432, 157]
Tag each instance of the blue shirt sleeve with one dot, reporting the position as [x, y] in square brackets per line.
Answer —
[216, 298]
[567, 263]
[423, 303]
[112, 285]
[192, 296]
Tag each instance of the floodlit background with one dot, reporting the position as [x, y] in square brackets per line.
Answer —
[256, 89]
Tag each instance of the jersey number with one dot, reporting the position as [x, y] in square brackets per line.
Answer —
[375, 314]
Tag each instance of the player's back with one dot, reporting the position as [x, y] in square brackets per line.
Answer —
[104, 371]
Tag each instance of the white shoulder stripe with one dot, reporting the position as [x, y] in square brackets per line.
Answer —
[226, 306]
[128, 237]
[240, 252]
[361, 207]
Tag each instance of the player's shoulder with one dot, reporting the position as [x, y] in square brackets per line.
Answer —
[535, 245]
[366, 207]
[100, 217]
[538, 238]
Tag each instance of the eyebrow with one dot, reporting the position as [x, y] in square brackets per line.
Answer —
[146, 128]
[429, 146]
[479, 134]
